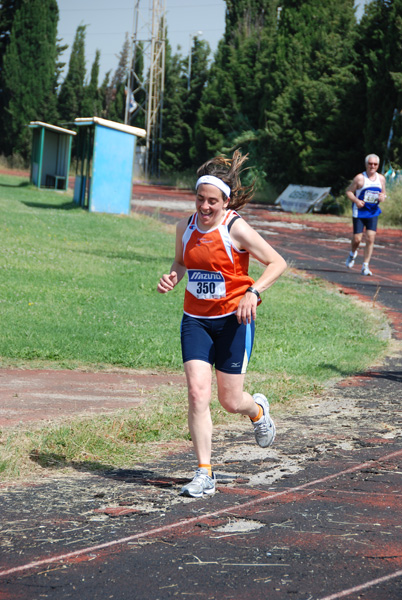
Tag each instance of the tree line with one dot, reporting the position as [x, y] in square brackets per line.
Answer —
[300, 85]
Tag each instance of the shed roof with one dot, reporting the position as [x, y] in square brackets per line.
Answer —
[52, 127]
[112, 124]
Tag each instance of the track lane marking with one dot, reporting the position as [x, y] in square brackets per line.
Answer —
[187, 522]
[363, 586]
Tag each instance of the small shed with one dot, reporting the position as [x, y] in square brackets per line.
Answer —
[51, 155]
[105, 153]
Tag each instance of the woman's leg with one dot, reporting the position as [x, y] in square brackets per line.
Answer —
[199, 380]
[232, 396]
[235, 400]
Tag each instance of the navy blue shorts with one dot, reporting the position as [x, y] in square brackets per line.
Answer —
[222, 342]
[369, 223]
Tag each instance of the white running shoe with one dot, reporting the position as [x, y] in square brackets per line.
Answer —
[350, 261]
[366, 270]
[200, 485]
[264, 429]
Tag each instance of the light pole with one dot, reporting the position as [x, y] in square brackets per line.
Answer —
[193, 36]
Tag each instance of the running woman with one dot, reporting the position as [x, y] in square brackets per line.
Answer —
[366, 192]
[220, 304]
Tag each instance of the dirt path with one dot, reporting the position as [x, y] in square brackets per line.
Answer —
[48, 394]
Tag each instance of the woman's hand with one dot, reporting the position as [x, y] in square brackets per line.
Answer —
[247, 309]
[167, 282]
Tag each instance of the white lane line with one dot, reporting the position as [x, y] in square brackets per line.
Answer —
[363, 586]
[186, 522]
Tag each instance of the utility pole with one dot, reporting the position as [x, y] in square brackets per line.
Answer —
[149, 38]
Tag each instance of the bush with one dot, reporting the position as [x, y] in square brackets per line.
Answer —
[335, 205]
[15, 161]
[392, 207]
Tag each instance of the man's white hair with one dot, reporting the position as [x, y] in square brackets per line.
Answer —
[377, 158]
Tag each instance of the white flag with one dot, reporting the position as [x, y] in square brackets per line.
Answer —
[133, 105]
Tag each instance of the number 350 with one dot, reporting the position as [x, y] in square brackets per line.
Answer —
[206, 287]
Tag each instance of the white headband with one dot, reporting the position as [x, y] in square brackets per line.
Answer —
[212, 180]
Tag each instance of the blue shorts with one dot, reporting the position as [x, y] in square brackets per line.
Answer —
[360, 223]
[222, 342]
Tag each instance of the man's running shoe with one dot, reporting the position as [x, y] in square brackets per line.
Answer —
[366, 270]
[350, 261]
[264, 429]
[200, 485]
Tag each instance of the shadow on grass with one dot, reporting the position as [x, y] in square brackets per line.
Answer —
[65, 206]
[394, 376]
[51, 460]
[16, 185]
[121, 255]
[144, 477]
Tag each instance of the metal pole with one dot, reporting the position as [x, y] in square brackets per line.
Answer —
[149, 123]
[155, 86]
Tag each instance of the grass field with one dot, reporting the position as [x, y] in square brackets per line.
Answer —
[79, 290]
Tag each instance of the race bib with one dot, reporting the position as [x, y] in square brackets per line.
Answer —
[371, 197]
[206, 285]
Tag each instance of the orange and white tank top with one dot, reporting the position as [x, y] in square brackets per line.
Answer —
[217, 270]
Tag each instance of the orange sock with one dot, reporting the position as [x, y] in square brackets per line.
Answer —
[208, 467]
[260, 413]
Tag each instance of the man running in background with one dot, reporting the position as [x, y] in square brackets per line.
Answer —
[366, 191]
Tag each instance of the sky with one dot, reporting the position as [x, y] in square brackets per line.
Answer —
[108, 22]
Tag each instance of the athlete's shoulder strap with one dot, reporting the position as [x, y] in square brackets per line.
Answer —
[233, 218]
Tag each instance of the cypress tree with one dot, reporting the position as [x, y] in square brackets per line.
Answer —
[92, 103]
[71, 95]
[231, 101]
[8, 9]
[103, 93]
[310, 123]
[28, 75]
[218, 108]
[380, 49]
[176, 132]
[192, 97]
[116, 94]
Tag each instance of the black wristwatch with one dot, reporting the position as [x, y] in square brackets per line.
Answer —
[253, 291]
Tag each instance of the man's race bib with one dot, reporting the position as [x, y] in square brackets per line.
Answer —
[206, 285]
[371, 197]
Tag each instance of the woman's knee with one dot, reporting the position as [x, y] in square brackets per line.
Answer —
[231, 402]
[230, 392]
[198, 376]
[199, 395]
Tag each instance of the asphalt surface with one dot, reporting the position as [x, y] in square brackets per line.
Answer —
[315, 517]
